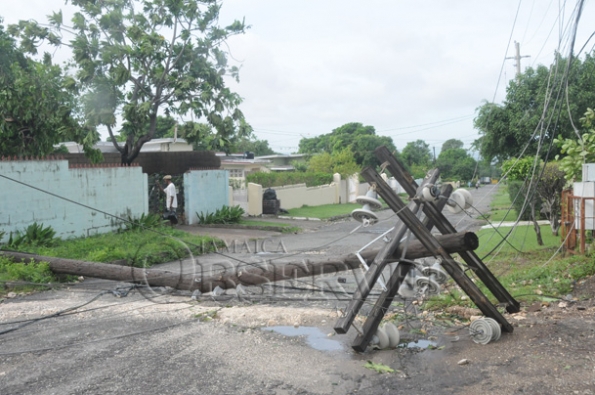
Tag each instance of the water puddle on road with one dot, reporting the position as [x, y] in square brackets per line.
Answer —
[421, 343]
[315, 338]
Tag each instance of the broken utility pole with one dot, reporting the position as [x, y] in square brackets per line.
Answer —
[205, 279]
[408, 220]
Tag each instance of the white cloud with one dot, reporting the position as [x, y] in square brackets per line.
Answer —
[310, 66]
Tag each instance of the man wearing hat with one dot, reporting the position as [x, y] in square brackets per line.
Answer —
[171, 199]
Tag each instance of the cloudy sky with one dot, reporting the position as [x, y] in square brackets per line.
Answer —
[412, 69]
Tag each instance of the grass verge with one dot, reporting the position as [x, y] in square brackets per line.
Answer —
[500, 208]
[140, 248]
[528, 271]
[26, 277]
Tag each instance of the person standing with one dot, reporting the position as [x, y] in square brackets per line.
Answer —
[171, 200]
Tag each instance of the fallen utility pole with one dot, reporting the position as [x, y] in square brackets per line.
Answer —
[205, 279]
[397, 170]
[424, 198]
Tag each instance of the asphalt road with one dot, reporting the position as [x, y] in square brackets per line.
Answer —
[160, 341]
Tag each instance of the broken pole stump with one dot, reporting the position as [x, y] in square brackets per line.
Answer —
[230, 276]
[377, 266]
[423, 235]
[397, 170]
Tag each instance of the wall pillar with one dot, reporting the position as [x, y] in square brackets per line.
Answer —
[254, 199]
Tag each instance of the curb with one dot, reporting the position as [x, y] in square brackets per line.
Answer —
[299, 218]
[268, 228]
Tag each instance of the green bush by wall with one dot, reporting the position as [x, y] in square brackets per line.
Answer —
[268, 180]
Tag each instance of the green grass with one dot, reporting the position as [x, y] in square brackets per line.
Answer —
[139, 248]
[325, 211]
[528, 271]
[518, 239]
[25, 277]
[528, 278]
[500, 208]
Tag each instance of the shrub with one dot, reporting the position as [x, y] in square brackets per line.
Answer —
[224, 215]
[150, 221]
[35, 235]
[269, 180]
[34, 272]
[519, 188]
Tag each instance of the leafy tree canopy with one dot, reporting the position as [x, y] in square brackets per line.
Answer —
[452, 143]
[147, 58]
[575, 152]
[456, 164]
[165, 128]
[550, 187]
[341, 162]
[416, 153]
[521, 120]
[37, 108]
[359, 139]
[252, 144]
[520, 169]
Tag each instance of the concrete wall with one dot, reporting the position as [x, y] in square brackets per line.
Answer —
[106, 191]
[205, 191]
[254, 199]
[294, 196]
[239, 197]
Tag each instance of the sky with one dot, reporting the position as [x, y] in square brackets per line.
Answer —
[411, 69]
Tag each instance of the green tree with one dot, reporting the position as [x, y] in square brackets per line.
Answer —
[523, 178]
[536, 110]
[148, 58]
[452, 143]
[550, 187]
[575, 152]
[456, 164]
[37, 110]
[252, 144]
[165, 128]
[359, 139]
[416, 153]
[341, 162]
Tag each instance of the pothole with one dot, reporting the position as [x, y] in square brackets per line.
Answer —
[314, 337]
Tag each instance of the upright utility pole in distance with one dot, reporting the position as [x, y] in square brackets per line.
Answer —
[518, 57]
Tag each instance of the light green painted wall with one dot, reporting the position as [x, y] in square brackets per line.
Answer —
[108, 192]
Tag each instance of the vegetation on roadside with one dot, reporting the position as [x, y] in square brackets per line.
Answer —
[500, 207]
[224, 215]
[528, 277]
[278, 179]
[150, 221]
[142, 242]
[527, 270]
[32, 236]
[25, 277]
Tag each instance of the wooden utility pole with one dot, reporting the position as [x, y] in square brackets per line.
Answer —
[397, 170]
[206, 279]
[421, 230]
[517, 58]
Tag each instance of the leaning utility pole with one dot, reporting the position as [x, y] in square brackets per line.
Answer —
[518, 57]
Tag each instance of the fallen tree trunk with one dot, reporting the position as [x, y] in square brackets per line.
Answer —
[205, 277]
